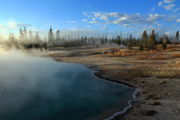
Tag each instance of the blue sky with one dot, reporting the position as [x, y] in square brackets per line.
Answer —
[111, 15]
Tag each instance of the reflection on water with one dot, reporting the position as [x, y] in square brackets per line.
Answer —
[33, 88]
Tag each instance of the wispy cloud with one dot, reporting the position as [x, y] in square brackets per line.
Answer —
[11, 25]
[24, 25]
[116, 18]
[169, 7]
[84, 20]
[178, 20]
[72, 21]
[167, 4]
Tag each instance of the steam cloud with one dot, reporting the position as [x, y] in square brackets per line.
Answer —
[21, 79]
[36, 88]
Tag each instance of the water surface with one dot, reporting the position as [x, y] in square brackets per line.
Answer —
[43, 89]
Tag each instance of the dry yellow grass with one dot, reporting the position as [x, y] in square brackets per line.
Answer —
[153, 57]
[122, 54]
[176, 55]
[149, 68]
[161, 57]
[178, 62]
[142, 57]
[145, 70]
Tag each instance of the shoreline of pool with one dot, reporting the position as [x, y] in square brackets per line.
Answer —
[100, 74]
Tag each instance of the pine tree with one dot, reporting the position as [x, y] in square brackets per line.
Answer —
[21, 36]
[102, 41]
[118, 40]
[177, 37]
[130, 37]
[165, 42]
[50, 35]
[58, 39]
[86, 40]
[144, 41]
[30, 36]
[141, 47]
[25, 33]
[37, 38]
[152, 41]
[57, 35]
[130, 42]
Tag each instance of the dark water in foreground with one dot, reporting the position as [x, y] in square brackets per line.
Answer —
[57, 91]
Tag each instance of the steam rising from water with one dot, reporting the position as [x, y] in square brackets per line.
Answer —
[35, 88]
[21, 77]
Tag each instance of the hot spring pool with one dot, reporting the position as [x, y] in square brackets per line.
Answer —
[43, 89]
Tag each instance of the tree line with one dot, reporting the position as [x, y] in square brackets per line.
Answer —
[146, 42]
